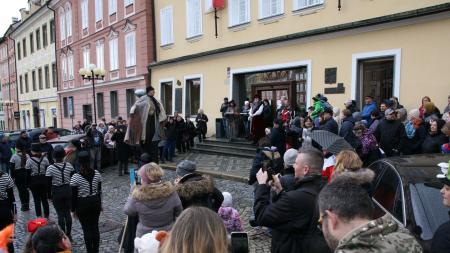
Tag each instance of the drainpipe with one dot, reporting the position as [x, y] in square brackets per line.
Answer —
[9, 87]
[56, 64]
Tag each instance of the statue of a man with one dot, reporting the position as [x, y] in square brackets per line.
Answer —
[146, 116]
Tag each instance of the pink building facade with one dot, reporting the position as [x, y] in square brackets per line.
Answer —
[115, 35]
[8, 80]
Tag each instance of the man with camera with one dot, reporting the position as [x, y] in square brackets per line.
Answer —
[292, 215]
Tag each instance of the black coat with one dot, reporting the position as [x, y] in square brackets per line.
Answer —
[24, 144]
[414, 145]
[433, 143]
[48, 148]
[388, 134]
[346, 132]
[123, 149]
[330, 126]
[441, 239]
[202, 121]
[292, 215]
[278, 139]
[171, 132]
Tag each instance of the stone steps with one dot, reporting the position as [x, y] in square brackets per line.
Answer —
[226, 148]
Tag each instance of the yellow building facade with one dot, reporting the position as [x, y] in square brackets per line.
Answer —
[300, 48]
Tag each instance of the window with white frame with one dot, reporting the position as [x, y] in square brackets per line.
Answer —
[194, 18]
[69, 20]
[302, 4]
[239, 12]
[128, 2]
[64, 67]
[166, 16]
[70, 71]
[84, 14]
[209, 6]
[193, 96]
[113, 54]
[269, 8]
[130, 49]
[112, 7]
[98, 10]
[86, 60]
[100, 54]
[62, 24]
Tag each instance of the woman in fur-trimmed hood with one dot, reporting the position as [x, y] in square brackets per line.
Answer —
[196, 189]
[155, 202]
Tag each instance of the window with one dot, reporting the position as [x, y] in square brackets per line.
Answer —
[113, 54]
[38, 39]
[166, 96]
[192, 96]
[127, 2]
[62, 24]
[19, 55]
[44, 35]
[239, 12]
[98, 10]
[301, 4]
[31, 43]
[86, 60]
[131, 98]
[112, 7]
[41, 84]
[64, 67]
[269, 8]
[68, 20]
[27, 89]
[24, 47]
[100, 54]
[130, 49]
[70, 72]
[65, 108]
[54, 74]
[194, 18]
[178, 99]
[114, 104]
[21, 84]
[166, 25]
[52, 31]
[47, 76]
[100, 107]
[84, 14]
[33, 79]
[209, 6]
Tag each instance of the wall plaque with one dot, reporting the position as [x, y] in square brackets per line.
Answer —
[330, 75]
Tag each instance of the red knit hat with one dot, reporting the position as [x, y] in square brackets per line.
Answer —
[33, 225]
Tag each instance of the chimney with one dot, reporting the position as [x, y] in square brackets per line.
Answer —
[15, 20]
[24, 13]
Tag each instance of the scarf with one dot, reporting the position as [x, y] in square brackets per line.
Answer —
[410, 130]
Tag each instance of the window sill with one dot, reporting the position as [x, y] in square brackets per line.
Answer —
[194, 38]
[239, 27]
[167, 46]
[271, 19]
[308, 10]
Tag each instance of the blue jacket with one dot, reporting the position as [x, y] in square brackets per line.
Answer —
[368, 109]
[5, 152]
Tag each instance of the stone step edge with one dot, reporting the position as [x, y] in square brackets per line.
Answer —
[226, 146]
[210, 173]
[224, 153]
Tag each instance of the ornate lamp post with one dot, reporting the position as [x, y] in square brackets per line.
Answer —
[92, 74]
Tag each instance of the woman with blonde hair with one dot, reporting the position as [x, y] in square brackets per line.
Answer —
[155, 202]
[198, 229]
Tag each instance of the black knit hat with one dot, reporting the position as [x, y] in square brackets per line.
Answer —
[36, 147]
[83, 157]
[59, 152]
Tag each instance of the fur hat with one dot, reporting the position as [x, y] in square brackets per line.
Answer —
[185, 167]
[227, 199]
[289, 157]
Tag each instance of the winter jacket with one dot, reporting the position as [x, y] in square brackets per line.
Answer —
[433, 143]
[388, 134]
[123, 149]
[156, 205]
[367, 110]
[231, 219]
[171, 131]
[441, 239]
[383, 235]
[262, 155]
[5, 152]
[198, 190]
[24, 144]
[95, 137]
[48, 149]
[202, 122]
[318, 109]
[329, 125]
[278, 139]
[414, 145]
[346, 132]
[291, 215]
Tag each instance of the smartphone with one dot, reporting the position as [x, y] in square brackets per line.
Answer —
[239, 242]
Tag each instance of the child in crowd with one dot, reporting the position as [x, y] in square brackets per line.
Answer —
[229, 215]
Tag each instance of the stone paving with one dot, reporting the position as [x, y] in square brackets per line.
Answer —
[116, 190]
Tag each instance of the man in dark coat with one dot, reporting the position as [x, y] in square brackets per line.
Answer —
[293, 215]
[278, 137]
[327, 121]
[96, 139]
[389, 133]
[24, 141]
[346, 130]
[47, 148]
[5, 153]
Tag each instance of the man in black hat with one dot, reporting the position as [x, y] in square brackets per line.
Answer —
[441, 238]
[327, 121]
[24, 141]
[47, 148]
[278, 137]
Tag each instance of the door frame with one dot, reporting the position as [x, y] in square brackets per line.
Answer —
[168, 80]
[356, 58]
[289, 85]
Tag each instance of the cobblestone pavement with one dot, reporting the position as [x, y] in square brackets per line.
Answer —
[115, 192]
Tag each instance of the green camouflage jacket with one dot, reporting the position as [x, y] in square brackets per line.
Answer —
[380, 235]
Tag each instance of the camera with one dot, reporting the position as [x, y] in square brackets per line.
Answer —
[269, 167]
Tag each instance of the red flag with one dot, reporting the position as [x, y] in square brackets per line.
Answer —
[219, 4]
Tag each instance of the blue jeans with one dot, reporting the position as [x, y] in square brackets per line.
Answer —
[169, 150]
[226, 127]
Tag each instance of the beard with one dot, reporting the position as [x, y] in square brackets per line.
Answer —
[331, 240]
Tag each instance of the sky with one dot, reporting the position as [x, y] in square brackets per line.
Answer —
[9, 9]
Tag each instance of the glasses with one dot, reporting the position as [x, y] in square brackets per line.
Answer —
[320, 221]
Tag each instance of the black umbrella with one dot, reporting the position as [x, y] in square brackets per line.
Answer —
[330, 141]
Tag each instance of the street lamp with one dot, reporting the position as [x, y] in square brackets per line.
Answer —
[92, 73]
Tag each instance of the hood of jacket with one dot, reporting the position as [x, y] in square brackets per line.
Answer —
[361, 176]
[350, 119]
[153, 191]
[193, 185]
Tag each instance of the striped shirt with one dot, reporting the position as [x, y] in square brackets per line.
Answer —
[60, 173]
[16, 159]
[32, 164]
[6, 183]
[86, 189]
